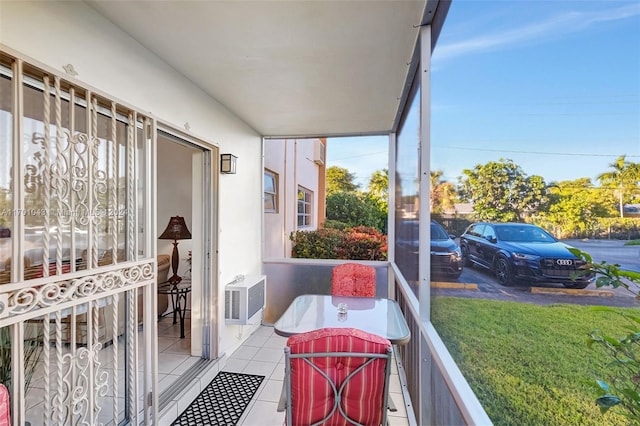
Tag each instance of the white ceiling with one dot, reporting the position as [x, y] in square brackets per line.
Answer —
[287, 68]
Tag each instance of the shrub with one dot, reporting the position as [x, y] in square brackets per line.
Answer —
[320, 244]
[622, 387]
[355, 209]
[363, 243]
[358, 243]
[335, 224]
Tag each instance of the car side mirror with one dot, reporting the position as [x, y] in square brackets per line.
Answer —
[453, 237]
[491, 238]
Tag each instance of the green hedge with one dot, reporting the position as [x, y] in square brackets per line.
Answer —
[358, 243]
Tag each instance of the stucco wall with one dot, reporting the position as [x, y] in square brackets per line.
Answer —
[174, 195]
[292, 161]
[109, 60]
[275, 235]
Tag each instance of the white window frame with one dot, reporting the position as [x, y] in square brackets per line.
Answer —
[271, 195]
[306, 201]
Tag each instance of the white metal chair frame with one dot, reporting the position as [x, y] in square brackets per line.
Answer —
[337, 392]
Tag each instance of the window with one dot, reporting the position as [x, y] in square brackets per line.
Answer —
[270, 192]
[70, 192]
[304, 207]
[407, 200]
[488, 233]
[476, 230]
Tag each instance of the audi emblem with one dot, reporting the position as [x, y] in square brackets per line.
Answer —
[564, 262]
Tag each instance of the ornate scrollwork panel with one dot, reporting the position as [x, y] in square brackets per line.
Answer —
[51, 294]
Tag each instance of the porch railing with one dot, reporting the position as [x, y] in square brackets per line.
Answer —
[439, 393]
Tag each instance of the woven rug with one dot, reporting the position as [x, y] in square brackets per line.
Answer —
[223, 401]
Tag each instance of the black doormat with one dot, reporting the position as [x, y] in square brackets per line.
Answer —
[223, 401]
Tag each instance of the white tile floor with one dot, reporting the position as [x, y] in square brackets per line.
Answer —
[262, 353]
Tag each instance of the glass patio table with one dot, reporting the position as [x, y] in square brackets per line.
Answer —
[315, 311]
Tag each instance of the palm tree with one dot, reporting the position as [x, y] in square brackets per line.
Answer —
[624, 178]
[379, 184]
[442, 195]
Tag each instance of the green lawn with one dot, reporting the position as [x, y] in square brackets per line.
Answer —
[527, 363]
[632, 243]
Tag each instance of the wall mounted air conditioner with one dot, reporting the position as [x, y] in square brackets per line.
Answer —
[318, 152]
[244, 300]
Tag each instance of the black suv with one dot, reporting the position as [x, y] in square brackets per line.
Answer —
[522, 251]
[446, 257]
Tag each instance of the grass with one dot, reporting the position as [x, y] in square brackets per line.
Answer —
[632, 243]
[529, 364]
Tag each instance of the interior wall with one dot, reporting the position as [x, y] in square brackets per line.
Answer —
[60, 33]
[174, 194]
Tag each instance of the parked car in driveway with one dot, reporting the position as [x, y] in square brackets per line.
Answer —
[518, 251]
[446, 257]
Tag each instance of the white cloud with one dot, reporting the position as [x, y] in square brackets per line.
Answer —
[551, 28]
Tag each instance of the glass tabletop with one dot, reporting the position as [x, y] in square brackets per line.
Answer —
[374, 315]
[167, 287]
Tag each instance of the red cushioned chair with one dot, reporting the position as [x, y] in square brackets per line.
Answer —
[5, 419]
[337, 376]
[353, 279]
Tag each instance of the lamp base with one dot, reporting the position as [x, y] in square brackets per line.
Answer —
[175, 279]
[175, 259]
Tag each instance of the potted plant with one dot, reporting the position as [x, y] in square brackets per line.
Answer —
[32, 352]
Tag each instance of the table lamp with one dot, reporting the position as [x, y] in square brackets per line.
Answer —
[176, 230]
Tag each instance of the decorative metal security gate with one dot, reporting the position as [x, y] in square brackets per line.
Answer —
[77, 261]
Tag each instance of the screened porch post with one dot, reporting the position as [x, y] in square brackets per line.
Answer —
[424, 256]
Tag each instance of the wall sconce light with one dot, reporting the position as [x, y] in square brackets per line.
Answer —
[228, 164]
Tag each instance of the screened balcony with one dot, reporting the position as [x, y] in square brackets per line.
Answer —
[225, 76]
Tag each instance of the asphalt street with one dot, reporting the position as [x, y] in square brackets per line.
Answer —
[613, 251]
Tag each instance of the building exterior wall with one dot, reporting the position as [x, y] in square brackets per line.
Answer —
[296, 163]
[59, 33]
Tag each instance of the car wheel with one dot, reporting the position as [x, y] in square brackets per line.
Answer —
[503, 271]
[465, 256]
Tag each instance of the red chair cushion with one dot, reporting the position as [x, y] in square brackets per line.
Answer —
[311, 395]
[36, 272]
[353, 279]
[5, 419]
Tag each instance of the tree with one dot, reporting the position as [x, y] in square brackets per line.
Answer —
[6, 206]
[501, 191]
[379, 192]
[574, 207]
[442, 194]
[354, 209]
[379, 184]
[340, 179]
[623, 179]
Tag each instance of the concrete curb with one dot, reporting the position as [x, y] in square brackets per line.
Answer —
[572, 291]
[461, 286]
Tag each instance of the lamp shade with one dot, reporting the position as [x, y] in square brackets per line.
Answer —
[176, 230]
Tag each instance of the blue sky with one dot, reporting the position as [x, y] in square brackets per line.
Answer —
[552, 85]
